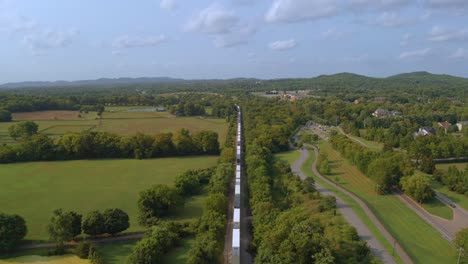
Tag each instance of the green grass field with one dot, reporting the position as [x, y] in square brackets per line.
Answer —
[56, 123]
[33, 259]
[445, 166]
[419, 239]
[33, 190]
[291, 156]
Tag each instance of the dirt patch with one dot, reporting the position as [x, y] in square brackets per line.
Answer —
[47, 115]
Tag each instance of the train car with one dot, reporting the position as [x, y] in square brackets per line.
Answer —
[238, 174]
[235, 246]
[236, 219]
[237, 198]
[238, 181]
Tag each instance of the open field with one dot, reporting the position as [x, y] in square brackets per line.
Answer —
[33, 190]
[56, 123]
[66, 259]
[436, 207]
[118, 252]
[290, 156]
[419, 239]
[445, 166]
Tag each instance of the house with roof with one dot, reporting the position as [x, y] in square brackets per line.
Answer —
[425, 131]
[445, 125]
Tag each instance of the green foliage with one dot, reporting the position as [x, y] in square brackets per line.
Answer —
[12, 231]
[23, 129]
[327, 203]
[94, 224]
[115, 221]
[5, 115]
[95, 256]
[159, 240]
[82, 250]
[156, 202]
[418, 186]
[456, 180]
[461, 242]
[64, 226]
[191, 181]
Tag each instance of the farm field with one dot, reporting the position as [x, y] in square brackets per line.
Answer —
[291, 156]
[56, 123]
[420, 240]
[33, 190]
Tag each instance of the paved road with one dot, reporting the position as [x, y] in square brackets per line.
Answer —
[448, 228]
[364, 233]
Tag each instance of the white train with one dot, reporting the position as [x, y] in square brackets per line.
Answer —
[235, 258]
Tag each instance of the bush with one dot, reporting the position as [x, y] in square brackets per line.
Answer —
[156, 202]
[12, 230]
[93, 224]
[115, 221]
[327, 202]
[82, 250]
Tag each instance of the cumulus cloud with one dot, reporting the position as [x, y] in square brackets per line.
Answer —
[439, 33]
[415, 53]
[125, 41]
[214, 19]
[281, 45]
[290, 11]
[460, 53]
[447, 3]
[168, 5]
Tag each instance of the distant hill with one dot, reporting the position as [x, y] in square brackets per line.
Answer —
[101, 81]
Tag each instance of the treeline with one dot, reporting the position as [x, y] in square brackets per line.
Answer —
[292, 223]
[386, 168]
[101, 145]
[455, 180]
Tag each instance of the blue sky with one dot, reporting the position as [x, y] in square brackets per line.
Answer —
[88, 39]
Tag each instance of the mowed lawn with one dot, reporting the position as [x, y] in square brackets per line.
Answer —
[33, 190]
[420, 240]
[66, 259]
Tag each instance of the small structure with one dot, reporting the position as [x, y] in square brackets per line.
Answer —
[445, 125]
[425, 131]
[461, 125]
[385, 113]
[160, 109]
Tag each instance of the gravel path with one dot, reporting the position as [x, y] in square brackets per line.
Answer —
[364, 233]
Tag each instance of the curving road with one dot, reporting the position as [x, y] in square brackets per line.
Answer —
[364, 233]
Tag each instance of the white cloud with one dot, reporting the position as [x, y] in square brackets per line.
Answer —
[290, 11]
[415, 53]
[124, 42]
[334, 34]
[49, 39]
[379, 4]
[281, 45]
[391, 19]
[460, 53]
[447, 3]
[444, 34]
[214, 19]
[239, 36]
[406, 39]
[168, 5]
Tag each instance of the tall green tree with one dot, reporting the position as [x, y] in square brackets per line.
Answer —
[156, 201]
[23, 129]
[12, 230]
[115, 221]
[418, 186]
[64, 225]
[94, 224]
[5, 116]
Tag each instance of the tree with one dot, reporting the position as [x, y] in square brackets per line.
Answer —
[151, 249]
[82, 250]
[5, 116]
[327, 202]
[23, 129]
[325, 167]
[93, 223]
[418, 186]
[64, 226]
[461, 242]
[185, 145]
[156, 202]
[188, 183]
[12, 230]
[115, 221]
